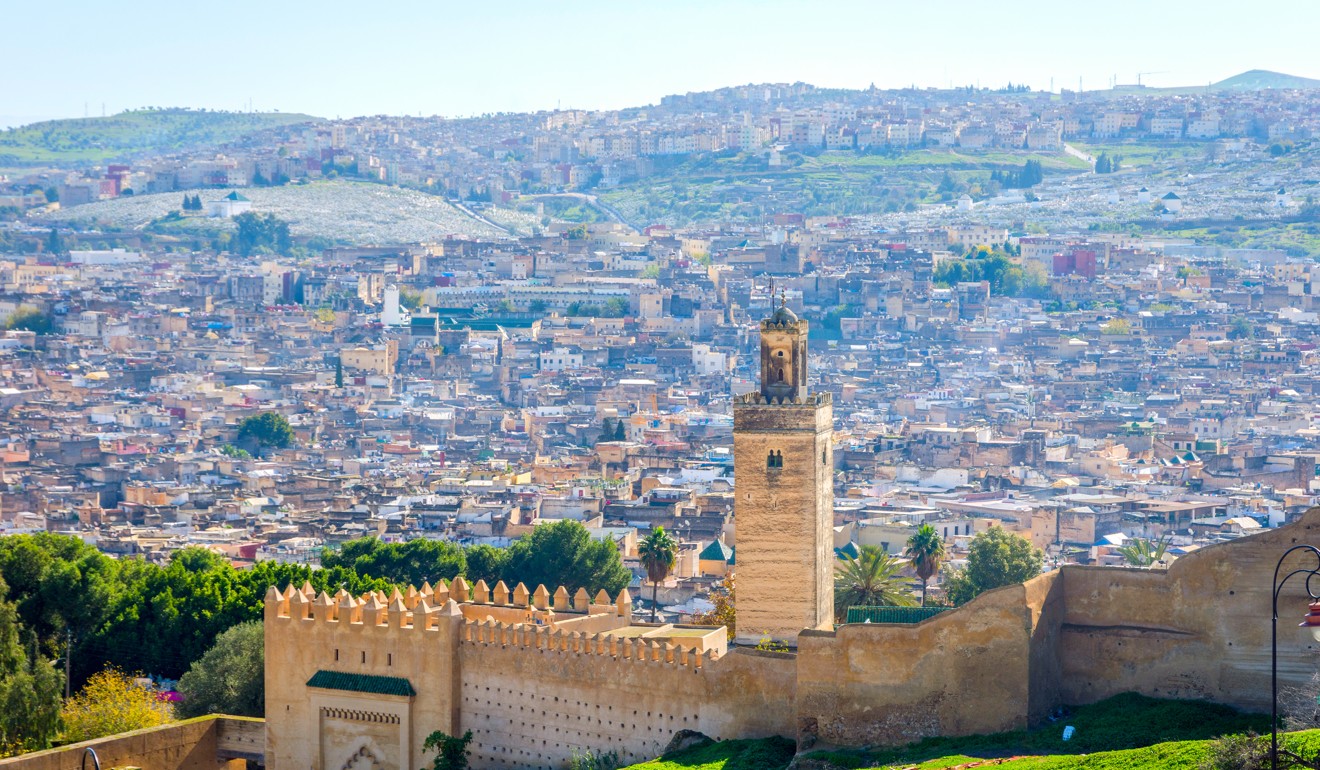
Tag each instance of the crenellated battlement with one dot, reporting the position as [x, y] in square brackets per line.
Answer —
[755, 398]
[378, 608]
[623, 649]
[538, 620]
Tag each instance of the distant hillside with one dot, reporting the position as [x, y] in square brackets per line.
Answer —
[1260, 80]
[96, 140]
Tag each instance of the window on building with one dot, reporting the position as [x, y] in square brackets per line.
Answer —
[775, 459]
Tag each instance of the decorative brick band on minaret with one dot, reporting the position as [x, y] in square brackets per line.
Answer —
[784, 488]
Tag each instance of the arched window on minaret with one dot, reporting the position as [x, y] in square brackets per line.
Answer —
[775, 459]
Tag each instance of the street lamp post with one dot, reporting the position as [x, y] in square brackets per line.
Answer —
[1311, 622]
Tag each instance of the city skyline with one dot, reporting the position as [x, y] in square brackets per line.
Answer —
[460, 61]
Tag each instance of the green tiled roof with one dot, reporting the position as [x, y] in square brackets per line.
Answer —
[716, 551]
[379, 685]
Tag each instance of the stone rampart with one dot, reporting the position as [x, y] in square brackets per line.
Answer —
[192, 744]
[355, 682]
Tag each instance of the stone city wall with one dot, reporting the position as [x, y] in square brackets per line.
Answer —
[188, 745]
[532, 691]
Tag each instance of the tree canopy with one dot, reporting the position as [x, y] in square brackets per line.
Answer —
[261, 233]
[411, 563]
[29, 319]
[869, 579]
[1006, 278]
[229, 678]
[268, 429]
[29, 689]
[564, 553]
[995, 558]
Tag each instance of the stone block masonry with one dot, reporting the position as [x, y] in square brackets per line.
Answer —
[534, 687]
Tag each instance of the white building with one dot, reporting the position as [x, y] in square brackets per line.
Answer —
[229, 206]
[103, 257]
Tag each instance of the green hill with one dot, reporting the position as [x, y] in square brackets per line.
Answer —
[1260, 80]
[97, 140]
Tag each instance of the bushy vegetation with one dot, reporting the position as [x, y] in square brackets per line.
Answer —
[562, 553]
[765, 754]
[995, 558]
[230, 677]
[1006, 278]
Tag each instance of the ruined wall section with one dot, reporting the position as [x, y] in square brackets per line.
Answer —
[1201, 629]
[962, 672]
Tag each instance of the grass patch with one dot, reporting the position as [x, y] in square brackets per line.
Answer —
[764, 754]
[1123, 722]
[1126, 731]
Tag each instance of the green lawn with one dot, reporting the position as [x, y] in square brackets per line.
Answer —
[1136, 154]
[1122, 732]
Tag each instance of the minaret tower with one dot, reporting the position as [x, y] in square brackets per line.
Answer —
[784, 482]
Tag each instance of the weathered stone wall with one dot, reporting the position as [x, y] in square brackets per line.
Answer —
[187, 745]
[313, 728]
[1201, 629]
[532, 707]
[1003, 661]
[965, 671]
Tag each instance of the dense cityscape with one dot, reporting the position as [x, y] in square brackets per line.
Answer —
[400, 347]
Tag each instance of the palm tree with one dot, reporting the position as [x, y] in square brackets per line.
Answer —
[1144, 553]
[868, 580]
[926, 550]
[657, 552]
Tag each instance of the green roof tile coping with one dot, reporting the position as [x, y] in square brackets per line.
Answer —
[379, 685]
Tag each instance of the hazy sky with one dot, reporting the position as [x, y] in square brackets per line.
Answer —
[332, 58]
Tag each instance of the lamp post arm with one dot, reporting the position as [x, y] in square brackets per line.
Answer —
[1274, 637]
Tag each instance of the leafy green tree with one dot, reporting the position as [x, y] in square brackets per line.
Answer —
[504, 307]
[230, 677]
[451, 753]
[30, 319]
[657, 552]
[52, 195]
[29, 689]
[268, 429]
[485, 562]
[411, 563]
[410, 299]
[607, 429]
[926, 550]
[615, 307]
[995, 558]
[1140, 552]
[869, 579]
[54, 242]
[620, 431]
[261, 233]
[1240, 329]
[564, 553]
[537, 306]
